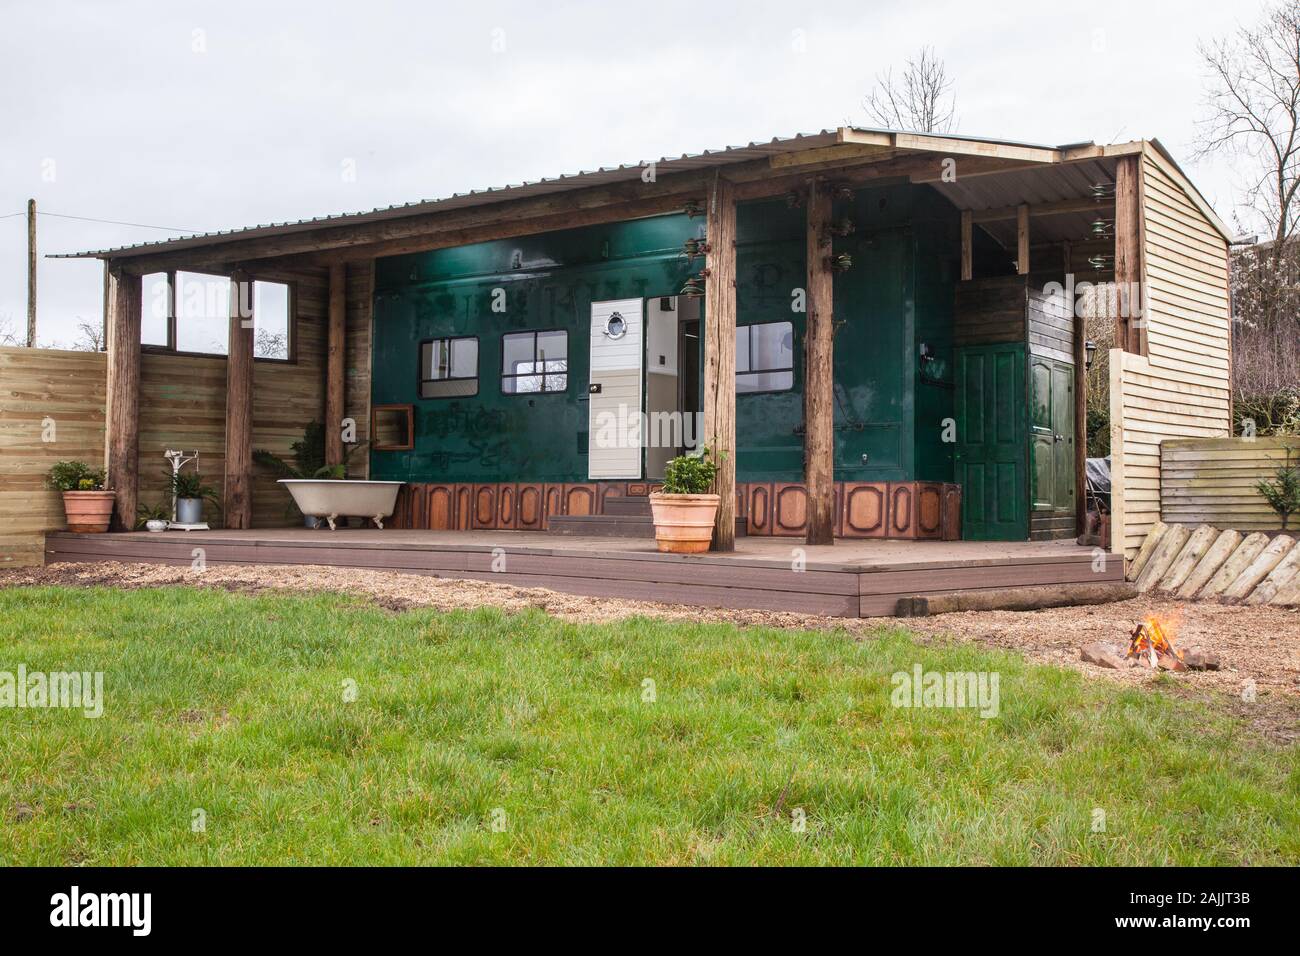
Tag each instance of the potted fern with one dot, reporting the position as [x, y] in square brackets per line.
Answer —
[190, 492]
[684, 511]
[88, 507]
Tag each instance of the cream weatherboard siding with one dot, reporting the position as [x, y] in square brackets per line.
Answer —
[1180, 388]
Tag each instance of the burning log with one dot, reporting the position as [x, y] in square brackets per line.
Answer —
[1150, 643]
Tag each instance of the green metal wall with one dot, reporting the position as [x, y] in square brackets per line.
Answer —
[898, 293]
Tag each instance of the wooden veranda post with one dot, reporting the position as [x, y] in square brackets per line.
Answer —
[819, 380]
[334, 366]
[1128, 254]
[122, 432]
[720, 355]
[237, 492]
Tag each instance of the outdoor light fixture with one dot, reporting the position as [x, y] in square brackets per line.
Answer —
[841, 263]
[1089, 349]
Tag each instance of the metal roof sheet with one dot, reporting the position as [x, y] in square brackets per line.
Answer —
[687, 162]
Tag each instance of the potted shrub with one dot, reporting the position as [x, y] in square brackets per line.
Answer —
[89, 508]
[684, 511]
[190, 492]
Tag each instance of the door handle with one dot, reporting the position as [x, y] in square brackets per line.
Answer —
[593, 388]
[1057, 438]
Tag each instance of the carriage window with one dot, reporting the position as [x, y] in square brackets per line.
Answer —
[764, 357]
[449, 368]
[534, 362]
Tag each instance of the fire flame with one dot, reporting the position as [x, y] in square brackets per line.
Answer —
[1153, 639]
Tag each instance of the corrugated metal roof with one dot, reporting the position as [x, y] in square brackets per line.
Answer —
[687, 162]
[1035, 185]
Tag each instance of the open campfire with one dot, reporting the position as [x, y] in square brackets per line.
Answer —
[1152, 644]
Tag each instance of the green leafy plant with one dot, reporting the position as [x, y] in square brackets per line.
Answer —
[690, 474]
[147, 513]
[308, 457]
[1283, 492]
[76, 476]
[189, 484]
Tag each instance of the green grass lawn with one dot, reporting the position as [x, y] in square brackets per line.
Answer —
[235, 705]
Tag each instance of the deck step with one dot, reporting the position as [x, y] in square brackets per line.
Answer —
[614, 525]
[636, 506]
[606, 525]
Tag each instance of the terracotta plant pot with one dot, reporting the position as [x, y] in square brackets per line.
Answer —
[88, 511]
[684, 523]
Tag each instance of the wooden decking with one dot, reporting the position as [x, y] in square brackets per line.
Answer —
[848, 579]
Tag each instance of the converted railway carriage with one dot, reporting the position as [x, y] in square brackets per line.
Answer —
[875, 333]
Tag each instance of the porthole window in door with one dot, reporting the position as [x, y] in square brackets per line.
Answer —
[616, 326]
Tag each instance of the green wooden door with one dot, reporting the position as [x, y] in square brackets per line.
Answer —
[991, 457]
[1051, 426]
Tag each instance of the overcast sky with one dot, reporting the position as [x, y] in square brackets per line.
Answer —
[203, 116]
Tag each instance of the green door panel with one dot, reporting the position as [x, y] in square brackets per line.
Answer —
[991, 460]
[1051, 404]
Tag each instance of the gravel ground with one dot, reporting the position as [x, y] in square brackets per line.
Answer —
[1259, 644]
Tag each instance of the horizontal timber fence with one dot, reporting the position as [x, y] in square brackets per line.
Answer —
[51, 409]
[1212, 481]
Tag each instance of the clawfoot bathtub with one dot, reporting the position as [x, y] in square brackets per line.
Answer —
[324, 498]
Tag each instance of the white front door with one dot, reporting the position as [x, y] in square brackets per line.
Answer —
[614, 392]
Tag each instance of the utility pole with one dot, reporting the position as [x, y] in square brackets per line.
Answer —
[31, 273]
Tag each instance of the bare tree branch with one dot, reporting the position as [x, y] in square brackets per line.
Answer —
[920, 100]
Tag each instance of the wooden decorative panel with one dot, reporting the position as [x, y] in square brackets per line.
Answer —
[440, 507]
[638, 489]
[902, 509]
[758, 508]
[865, 509]
[484, 515]
[529, 507]
[507, 507]
[951, 530]
[464, 507]
[580, 499]
[929, 510]
[610, 489]
[789, 509]
[552, 503]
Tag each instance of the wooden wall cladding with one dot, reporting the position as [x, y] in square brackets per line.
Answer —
[917, 510]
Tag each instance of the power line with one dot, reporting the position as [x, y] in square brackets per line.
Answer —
[110, 222]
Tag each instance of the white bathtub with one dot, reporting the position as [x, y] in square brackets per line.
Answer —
[327, 499]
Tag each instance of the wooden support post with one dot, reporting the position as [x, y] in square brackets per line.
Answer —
[334, 367]
[122, 410]
[720, 355]
[1080, 396]
[967, 267]
[31, 273]
[1022, 239]
[819, 380]
[1128, 254]
[237, 492]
